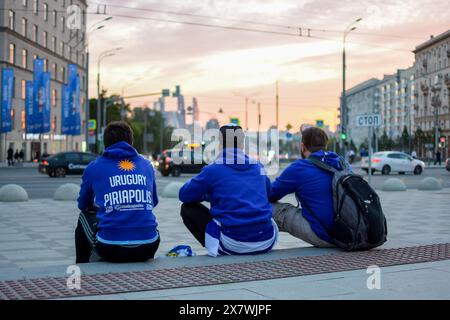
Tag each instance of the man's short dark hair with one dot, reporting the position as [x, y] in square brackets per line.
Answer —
[314, 139]
[117, 131]
[232, 136]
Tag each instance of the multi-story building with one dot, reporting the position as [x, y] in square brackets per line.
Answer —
[31, 29]
[361, 99]
[393, 98]
[397, 97]
[432, 73]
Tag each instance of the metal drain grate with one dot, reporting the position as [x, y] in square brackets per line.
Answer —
[111, 283]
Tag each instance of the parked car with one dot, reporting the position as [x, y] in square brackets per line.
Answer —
[393, 161]
[65, 163]
[187, 162]
[447, 164]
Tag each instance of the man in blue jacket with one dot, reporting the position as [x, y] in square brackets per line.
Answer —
[240, 219]
[312, 188]
[117, 196]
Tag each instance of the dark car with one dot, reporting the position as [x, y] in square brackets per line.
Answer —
[191, 162]
[447, 164]
[65, 163]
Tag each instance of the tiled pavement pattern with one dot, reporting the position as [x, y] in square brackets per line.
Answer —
[124, 282]
[39, 233]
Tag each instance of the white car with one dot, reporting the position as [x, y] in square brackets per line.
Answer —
[393, 161]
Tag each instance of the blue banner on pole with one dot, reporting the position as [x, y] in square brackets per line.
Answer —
[7, 83]
[46, 111]
[74, 100]
[39, 99]
[65, 109]
[29, 107]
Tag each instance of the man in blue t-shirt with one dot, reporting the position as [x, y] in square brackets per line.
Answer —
[117, 196]
[313, 189]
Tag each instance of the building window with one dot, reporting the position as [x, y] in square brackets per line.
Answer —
[12, 53]
[55, 71]
[13, 115]
[23, 89]
[25, 3]
[36, 7]
[61, 46]
[54, 124]
[12, 18]
[45, 12]
[63, 24]
[54, 44]
[35, 56]
[22, 119]
[35, 33]
[63, 74]
[24, 27]
[55, 18]
[44, 40]
[24, 58]
[45, 65]
[54, 96]
[69, 52]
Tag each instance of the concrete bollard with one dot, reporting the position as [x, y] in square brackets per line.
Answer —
[67, 192]
[393, 184]
[13, 193]
[430, 183]
[172, 189]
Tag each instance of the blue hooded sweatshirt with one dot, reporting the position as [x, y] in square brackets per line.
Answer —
[237, 190]
[312, 187]
[121, 185]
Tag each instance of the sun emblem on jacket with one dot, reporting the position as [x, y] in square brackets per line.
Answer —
[126, 165]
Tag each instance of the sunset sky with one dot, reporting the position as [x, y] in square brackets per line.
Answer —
[215, 65]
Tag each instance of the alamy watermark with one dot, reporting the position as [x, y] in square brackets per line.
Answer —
[373, 282]
[74, 279]
[74, 17]
[205, 146]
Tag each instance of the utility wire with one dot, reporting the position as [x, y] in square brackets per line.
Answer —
[291, 27]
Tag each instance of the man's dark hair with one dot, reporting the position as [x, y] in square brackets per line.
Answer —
[117, 131]
[232, 136]
[314, 139]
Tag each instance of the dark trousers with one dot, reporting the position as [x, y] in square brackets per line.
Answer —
[195, 217]
[85, 242]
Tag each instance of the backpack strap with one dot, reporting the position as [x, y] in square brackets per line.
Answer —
[319, 163]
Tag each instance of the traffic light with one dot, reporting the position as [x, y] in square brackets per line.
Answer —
[344, 136]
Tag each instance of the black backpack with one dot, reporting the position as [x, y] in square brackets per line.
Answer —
[359, 222]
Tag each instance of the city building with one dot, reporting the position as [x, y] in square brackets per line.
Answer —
[361, 99]
[31, 29]
[432, 73]
[396, 101]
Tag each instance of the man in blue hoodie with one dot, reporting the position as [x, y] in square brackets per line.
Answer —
[312, 188]
[117, 196]
[240, 219]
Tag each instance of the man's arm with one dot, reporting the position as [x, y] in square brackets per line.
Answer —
[196, 189]
[86, 196]
[285, 184]
[154, 193]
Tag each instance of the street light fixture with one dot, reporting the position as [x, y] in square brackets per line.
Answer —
[349, 29]
[103, 55]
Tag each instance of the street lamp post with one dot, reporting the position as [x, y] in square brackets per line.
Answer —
[103, 55]
[96, 26]
[344, 119]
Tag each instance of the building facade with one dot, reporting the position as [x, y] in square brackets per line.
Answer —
[361, 99]
[31, 29]
[393, 97]
[396, 100]
[432, 72]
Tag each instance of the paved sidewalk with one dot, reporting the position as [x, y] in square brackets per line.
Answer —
[36, 239]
